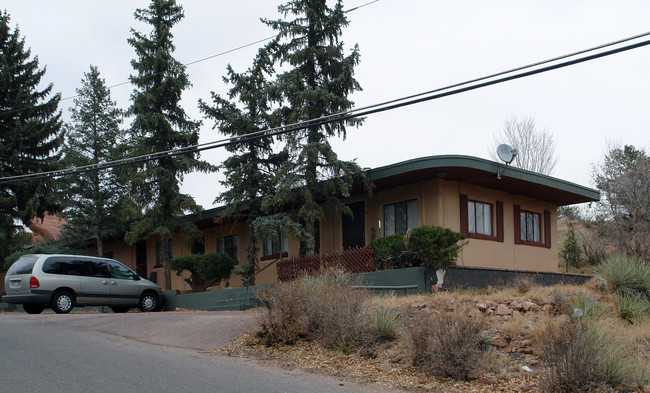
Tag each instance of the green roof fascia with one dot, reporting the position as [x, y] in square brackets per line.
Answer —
[459, 161]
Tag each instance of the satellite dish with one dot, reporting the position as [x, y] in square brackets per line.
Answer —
[506, 153]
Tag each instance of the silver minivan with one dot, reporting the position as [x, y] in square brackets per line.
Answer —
[62, 282]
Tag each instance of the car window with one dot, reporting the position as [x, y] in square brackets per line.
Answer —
[61, 265]
[23, 265]
[120, 271]
[93, 267]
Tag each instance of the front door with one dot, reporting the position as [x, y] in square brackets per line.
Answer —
[354, 227]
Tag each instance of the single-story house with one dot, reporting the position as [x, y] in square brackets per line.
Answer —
[507, 214]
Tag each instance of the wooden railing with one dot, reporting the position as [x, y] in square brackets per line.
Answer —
[358, 260]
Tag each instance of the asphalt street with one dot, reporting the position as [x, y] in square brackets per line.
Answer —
[78, 353]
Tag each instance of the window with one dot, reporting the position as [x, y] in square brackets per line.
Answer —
[400, 217]
[275, 246]
[480, 218]
[531, 228]
[93, 267]
[159, 252]
[198, 247]
[61, 265]
[120, 271]
[229, 245]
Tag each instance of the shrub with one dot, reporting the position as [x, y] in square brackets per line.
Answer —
[387, 323]
[429, 246]
[591, 308]
[450, 343]
[632, 308]
[325, 308]
[580, 358]
[570, 353]
[628, 275]
[434, 247]
[389, 252]
[205, 269]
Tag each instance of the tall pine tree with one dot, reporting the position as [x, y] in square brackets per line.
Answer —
[30, 135]
[317, 84]
[252, 165]
[94, 136]
[160, 124]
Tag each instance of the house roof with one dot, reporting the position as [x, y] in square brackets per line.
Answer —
[483, 173]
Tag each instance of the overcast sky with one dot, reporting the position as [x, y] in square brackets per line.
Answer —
[407, 47]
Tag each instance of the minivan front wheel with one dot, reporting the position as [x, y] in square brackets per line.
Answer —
[62, 302]
[148, 302]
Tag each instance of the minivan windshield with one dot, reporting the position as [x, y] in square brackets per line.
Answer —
[23, 265]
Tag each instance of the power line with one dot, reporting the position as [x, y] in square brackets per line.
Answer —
[341, 116]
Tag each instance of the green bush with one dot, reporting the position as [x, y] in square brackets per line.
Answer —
[389, 252]
[429, 246]
[206, 269]
[628, 275]
[631, 308]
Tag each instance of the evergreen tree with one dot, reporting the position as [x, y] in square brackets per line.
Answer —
[30, 136]
[317, 84]
[571, 252]
[160, 124]
[94, 136]
[250, 169]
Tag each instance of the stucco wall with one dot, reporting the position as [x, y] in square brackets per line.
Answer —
[438, 204]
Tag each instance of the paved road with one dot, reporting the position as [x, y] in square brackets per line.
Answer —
[70, 353]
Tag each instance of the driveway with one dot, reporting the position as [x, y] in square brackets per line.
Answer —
[200, 330]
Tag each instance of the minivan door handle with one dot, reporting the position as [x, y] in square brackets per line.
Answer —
[113, 282]
[105, 282]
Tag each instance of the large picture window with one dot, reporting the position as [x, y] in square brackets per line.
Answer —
[400, 217]
[480, 218]
[229, 245]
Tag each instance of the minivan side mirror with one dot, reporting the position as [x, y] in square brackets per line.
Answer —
[137, 277]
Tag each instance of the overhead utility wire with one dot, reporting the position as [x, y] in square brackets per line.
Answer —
[389, 105]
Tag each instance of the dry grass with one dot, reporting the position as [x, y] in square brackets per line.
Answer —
[408, 362]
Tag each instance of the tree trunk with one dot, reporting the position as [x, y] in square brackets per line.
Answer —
[167, 276]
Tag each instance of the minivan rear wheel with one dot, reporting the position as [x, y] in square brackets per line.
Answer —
[148, 302]
[62, 302]
[33, 308]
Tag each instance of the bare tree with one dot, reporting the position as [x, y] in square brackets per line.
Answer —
[535, 147]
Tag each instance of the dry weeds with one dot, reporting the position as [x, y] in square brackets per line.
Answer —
[389, 365]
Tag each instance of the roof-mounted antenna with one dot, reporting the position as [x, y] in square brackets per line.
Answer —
[507, 154]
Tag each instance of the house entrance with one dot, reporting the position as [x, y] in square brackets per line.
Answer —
[141, 258]
[354, 227]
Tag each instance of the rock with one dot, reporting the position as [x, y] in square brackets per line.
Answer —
[530, 306]
[548, 308]
[516, 306]
[487, 381]
[502, 309]
[474, 313]
[516, 314]
[396, 359]
[418, 306]
[474, 374]
[498, 341]
[481, 307]
[532, 360]
[385, 367]
[522, 346]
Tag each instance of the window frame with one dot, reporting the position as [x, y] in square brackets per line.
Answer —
[283, 250]
[395, 224]
[544, 227]
[223, 238]
[496, 217]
